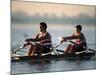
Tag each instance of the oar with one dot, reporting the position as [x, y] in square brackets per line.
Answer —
[92, 50]
[17, 49]
[58, 45]
[73, 42]
[81, 52]
[54, 48]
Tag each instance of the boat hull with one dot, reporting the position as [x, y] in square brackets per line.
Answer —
[82, 56]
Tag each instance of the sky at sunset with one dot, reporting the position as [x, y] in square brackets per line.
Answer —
[50, 9]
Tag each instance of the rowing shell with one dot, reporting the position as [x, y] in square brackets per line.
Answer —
[49, 57]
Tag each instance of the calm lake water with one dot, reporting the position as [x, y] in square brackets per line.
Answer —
[20, 32]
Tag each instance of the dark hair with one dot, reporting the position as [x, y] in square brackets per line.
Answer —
[43, 24]
[79, 27]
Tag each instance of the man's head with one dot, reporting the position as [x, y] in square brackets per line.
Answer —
[78, 28]
[43, 26]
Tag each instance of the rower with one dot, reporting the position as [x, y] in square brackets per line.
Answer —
[80, 43]
[44, 39]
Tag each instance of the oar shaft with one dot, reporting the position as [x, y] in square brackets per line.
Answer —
[57, 45]
[17, 49]
[80, 52]
[54, 49]
[73, 42]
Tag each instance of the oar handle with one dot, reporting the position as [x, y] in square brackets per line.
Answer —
[73, 42]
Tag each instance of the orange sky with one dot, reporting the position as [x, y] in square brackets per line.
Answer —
[50, 9]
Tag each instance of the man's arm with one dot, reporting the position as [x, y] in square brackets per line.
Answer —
[71, 37]
[33, 39]
[36, 39]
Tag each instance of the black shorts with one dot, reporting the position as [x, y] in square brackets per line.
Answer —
[46, 49]
[79, 48]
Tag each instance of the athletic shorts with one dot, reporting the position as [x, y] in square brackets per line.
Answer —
[46, 49]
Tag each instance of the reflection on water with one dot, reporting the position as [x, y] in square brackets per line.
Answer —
[51, 66]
